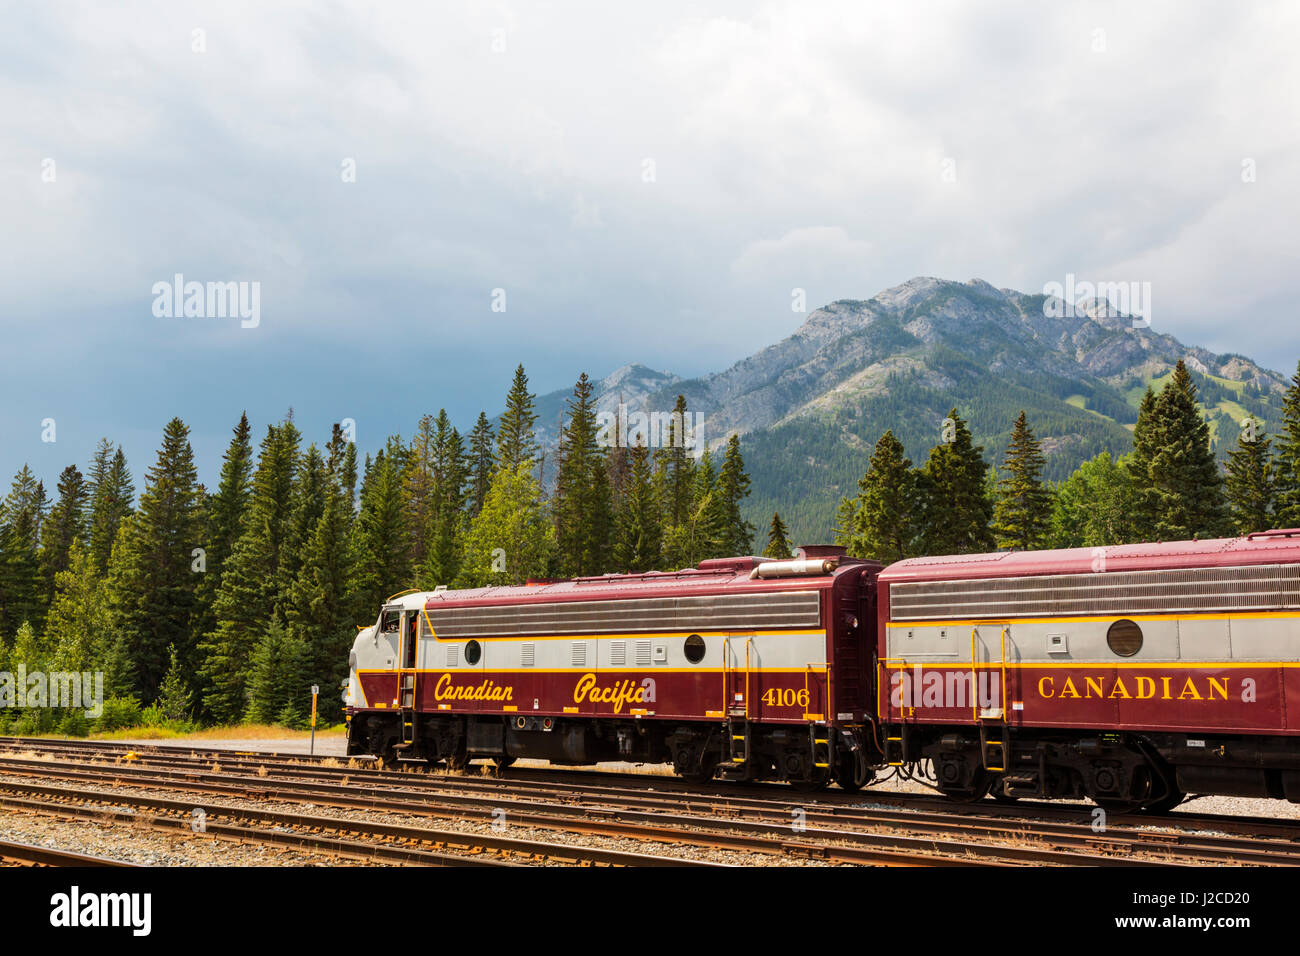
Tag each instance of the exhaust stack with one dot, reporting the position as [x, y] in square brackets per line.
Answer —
[800, 567]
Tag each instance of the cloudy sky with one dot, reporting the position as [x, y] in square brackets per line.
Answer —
[633, 182]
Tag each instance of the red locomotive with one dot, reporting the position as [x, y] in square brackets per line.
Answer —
[1131, 675]
[743, 666]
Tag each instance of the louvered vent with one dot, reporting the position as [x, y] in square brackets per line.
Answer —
[642, 653]
[617, 653]
[579, 658]
[772, 611]
[527, 654]
[453, 658]
[1253, 588]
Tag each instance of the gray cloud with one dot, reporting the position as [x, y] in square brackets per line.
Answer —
[792, 145]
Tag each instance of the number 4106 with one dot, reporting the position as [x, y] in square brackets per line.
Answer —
[787, 697]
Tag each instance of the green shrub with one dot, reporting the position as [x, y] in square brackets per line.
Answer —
[119, 712]
[291, 716]
[74, 723]
[27, 724]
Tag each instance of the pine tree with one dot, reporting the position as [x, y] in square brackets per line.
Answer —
[111, 494]
[618, 457]
[1287, 465]
[248, 599]
[516, 439]
[175, 699]
[80, 627]
[582, 505]
[957, 506]
[308, 504]
[66, 524]
[846, 521]
[640, 534]
[1249, 481]
[511, 539]
[30, 651]
[1185, 478]
[1146, 442]
[225, 519]
[674, 470]
[22, 586]
[321, 606]
[342, 462]
[733, 487]
[446, 518]
[152, 583]
[379, 533]
[482, 463]
[778, 545]
[1023, 513]
[699, 535]
[278, 687]
[419, 490]
[881, 520]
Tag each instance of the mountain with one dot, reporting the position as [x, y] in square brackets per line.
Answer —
[632, 385]
[812, 406]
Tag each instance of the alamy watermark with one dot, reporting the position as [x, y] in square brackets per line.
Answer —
[651, 430]
[208, 300]
[66, 689]
[1112, 300]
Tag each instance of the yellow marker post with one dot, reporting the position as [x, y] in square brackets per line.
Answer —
[315, 689]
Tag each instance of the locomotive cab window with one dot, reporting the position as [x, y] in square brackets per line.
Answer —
[390, 622]
[1124, 638]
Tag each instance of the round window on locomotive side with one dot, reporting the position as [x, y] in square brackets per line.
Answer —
[473, 651]
[694, 648]
[1124, 638]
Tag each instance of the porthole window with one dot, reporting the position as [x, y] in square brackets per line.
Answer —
[694, 648]
[473, 651]
[1124, 638]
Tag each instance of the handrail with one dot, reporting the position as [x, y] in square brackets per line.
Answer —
[748, 642]
[974, 676]
[807, 673]
[726, 657]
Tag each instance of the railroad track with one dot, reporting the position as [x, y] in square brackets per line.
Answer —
[834, 832]
[891, 851]
[29, 854]
[553, 784]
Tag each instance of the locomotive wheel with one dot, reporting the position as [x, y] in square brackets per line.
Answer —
[458, 760]
[846, 774]
[708, 767]
[1166, 803]
[1112, 805]
[1117, 806]
[997, 790]
[820, 779]
[503, 762]
[845, 780]
[978, 790]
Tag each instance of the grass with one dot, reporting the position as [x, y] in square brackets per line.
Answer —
[137, 733]
[1081, 402]
[233, 732]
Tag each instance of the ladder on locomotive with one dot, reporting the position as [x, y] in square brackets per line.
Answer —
[995, 753]
[736, 714]
[406, 680]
